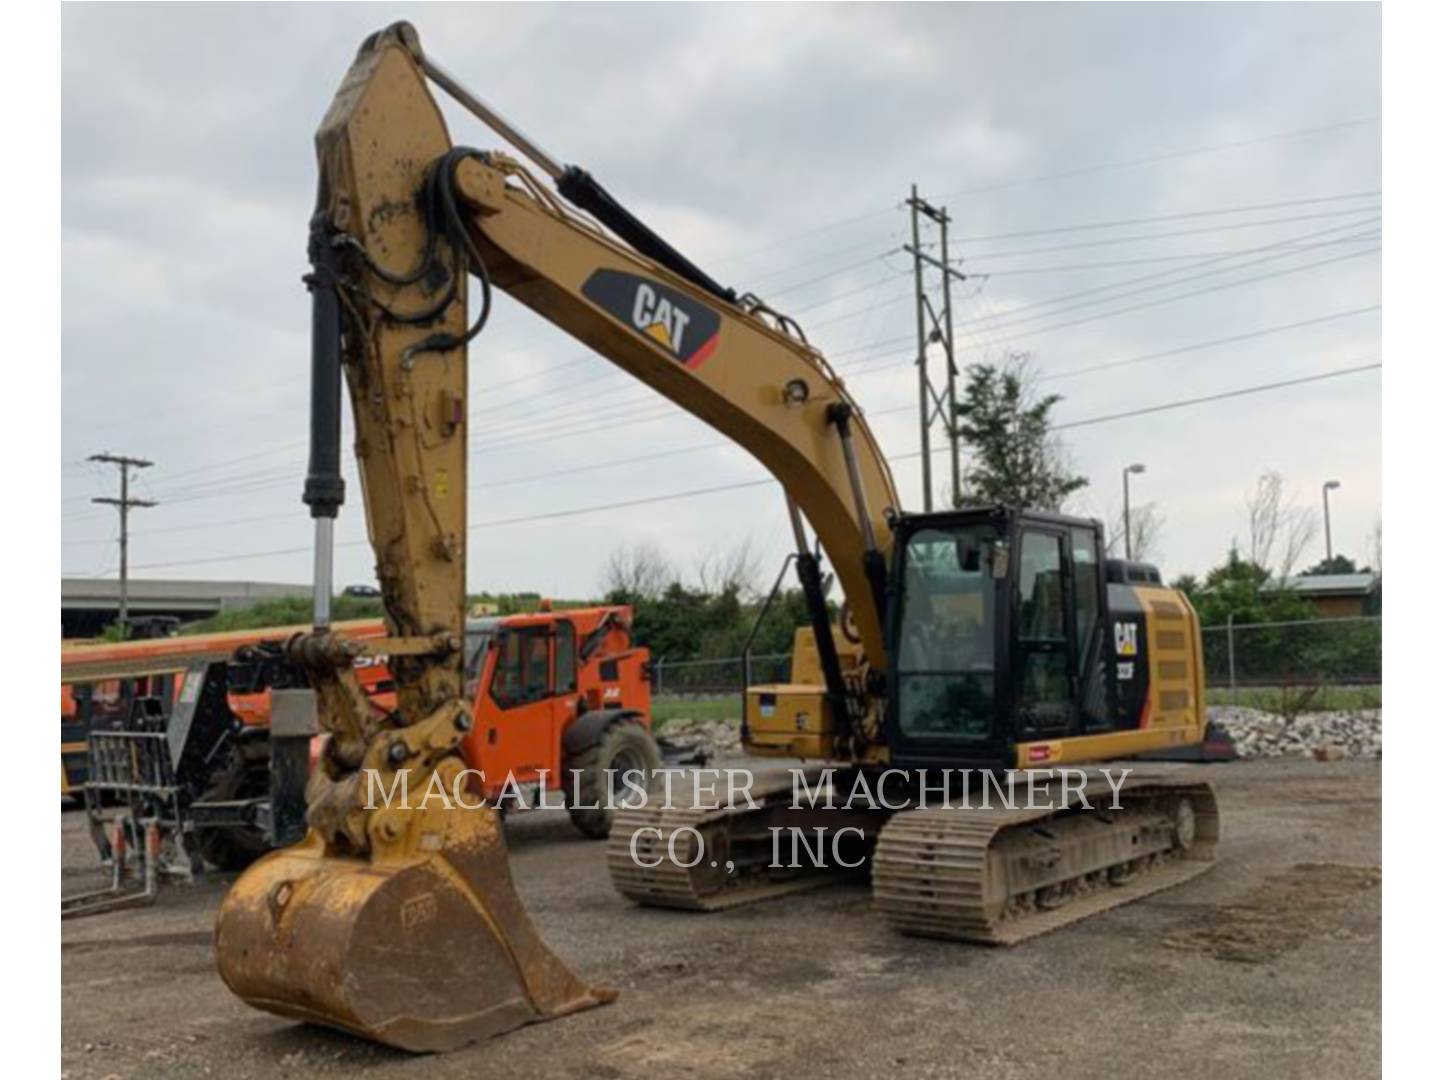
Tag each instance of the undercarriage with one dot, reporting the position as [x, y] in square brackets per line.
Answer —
[996, 866]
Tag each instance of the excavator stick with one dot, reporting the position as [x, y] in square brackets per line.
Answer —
[399, 923]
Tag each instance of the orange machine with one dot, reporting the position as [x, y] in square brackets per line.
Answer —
[549, 692]
[542, 687]
[102, 683]
[558, 698]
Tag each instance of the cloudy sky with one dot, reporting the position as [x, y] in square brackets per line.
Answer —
[1127, 181]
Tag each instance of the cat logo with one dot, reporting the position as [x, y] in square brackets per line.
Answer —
[1127, 639]
[685, 329]
[659, 318]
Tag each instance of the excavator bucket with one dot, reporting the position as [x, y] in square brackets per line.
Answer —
[425, 954]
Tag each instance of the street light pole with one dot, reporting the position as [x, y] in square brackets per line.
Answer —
[1125, 480]
[1330, 485]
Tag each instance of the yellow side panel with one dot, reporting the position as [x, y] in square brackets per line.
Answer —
[789, 720]
[1177, 668]
[805, 657]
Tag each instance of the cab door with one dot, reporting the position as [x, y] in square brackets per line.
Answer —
[1044, 688]
[517, 722]
[565, 702]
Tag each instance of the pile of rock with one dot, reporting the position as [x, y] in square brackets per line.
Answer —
[721, 737]
[1326, 736]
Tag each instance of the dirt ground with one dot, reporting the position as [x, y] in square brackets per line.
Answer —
[1268, 965]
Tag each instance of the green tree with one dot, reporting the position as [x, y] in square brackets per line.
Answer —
[1015, 458]
[1240, 589]
[1303, 649]
[1340, 564]
[285, 611]
[1188, 584]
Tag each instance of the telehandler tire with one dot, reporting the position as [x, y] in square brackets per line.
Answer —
[625, 745]
[245, 776]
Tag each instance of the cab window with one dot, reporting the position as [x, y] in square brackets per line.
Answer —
[537, 664]
[522, 670]
[1043, 700]
[1088, 584]
[1042, 599]
[477, 646]
[946, 658]
[564, 657]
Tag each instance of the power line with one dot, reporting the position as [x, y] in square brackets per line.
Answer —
[1004, 319]
[1152, 159]
[293, 444]
[1044, 178]
[1114, 241]
[1155, 159]
[1181, 216]
[1134, 307]
[720, 488]
[834, 273]
[1230, 340]
[642, 410]
[1279, 249]
[253, 480]
[1216, 397]
[1150, 260]
[1182, 296]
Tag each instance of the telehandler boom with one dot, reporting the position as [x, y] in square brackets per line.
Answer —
[992, 638]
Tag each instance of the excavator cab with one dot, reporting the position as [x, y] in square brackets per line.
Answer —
[995, 637]
[1016, 643]
[1012, 642]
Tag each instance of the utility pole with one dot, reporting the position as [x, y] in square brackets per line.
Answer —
[124, 503]
[932, 327]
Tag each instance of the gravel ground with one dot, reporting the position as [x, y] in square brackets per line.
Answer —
[1267, 965]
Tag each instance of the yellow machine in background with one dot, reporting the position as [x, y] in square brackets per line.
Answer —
[989, 638]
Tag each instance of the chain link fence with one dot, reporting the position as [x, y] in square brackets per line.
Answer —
[1334, 660]
[1329, 663]
[713, 677]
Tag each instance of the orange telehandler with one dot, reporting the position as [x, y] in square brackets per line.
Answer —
[561, 701]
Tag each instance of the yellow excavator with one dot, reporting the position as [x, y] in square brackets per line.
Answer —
[992, 639]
